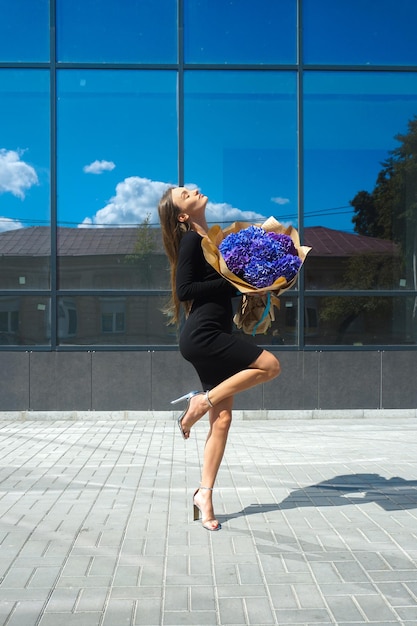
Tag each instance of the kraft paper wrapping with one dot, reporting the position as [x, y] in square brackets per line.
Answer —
[252, 316]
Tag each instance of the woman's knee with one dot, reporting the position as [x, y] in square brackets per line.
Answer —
[269, 363]
[222, 420]
[275, 368]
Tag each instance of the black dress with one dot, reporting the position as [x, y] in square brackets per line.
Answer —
[206, 339]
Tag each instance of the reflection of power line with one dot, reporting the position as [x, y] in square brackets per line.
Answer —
[320, 212]
[23, 220]
[334, 211]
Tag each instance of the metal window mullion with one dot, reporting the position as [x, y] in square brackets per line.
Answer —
[53, 184]
[180, 93]
[300, 173]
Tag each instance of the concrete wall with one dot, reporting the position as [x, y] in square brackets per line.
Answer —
[143, 381]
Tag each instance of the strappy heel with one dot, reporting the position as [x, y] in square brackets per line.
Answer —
[197, 512]
[188, 397]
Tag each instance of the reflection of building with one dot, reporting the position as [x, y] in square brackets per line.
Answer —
[93, 260]
[330, 251]
[253, 106]
[101, 260]
[109, 346]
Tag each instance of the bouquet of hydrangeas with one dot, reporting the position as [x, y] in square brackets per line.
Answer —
[260, 257]
[256, 259]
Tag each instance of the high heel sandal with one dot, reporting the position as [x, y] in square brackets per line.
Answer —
[188, 397]
[197, 512]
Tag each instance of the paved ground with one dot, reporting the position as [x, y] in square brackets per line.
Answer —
[319, 524]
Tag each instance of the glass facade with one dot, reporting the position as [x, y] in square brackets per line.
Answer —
[305, 110]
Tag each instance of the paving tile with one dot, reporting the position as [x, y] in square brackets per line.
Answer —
[69, 619]
[319, 520]
[259, 611]
[148, 613]
[92, 599]
[376, 608]
[62, 600]
[232, 611]
[344, 608]
[25, 613]
[6, 609]
[303, 616]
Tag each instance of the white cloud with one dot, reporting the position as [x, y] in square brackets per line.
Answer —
[223, 212]
[136, 198]
[8, 224]
[15, 175]
[98, 167]
[279, 200]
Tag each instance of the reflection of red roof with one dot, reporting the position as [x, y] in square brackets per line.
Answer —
[35, 241]
[336, 243]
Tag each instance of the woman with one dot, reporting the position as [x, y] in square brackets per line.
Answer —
[226, 363]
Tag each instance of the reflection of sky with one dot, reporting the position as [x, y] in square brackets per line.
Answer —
[241, 37]
[117, 129]
[360, 32]
[24, 32]
[240, 136]
[24, 147]
[124, 117]
[350, 124]
[142, 31]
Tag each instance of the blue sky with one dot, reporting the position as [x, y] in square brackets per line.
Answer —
[117, 129]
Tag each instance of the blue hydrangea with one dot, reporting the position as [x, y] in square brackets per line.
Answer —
[260, 257]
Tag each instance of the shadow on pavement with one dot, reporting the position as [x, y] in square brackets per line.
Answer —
[390, 494]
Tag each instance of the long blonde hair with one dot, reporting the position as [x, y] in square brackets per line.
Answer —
[172, 230]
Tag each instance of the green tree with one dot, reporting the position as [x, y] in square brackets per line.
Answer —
[145, 243]
[388, 212]
[143, 253]
[363, 271]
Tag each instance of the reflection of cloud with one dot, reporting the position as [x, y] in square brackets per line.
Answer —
[8, 224]
[15, 175]
[279, 200]
[137, 198]
[223, 212]
[98, 167]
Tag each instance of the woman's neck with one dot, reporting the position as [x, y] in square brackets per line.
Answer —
[200, 226]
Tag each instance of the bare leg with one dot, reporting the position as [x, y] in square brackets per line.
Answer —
[220, 420]
[265, 368]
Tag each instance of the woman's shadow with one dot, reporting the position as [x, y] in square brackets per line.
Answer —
[391, 494]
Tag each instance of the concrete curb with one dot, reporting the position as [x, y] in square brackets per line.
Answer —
[246, 415]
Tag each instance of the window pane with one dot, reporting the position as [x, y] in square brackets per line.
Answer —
[24, 320]
[239, 32]
[241, 143]
[24, 31]
[24, 179]
[137, 31]
[117, 150]
[354, 32]
[284, 329]
[364, 320]
[112, 258]
[360, 167]
[132, 320]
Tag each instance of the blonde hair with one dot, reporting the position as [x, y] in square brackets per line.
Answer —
[172, 230]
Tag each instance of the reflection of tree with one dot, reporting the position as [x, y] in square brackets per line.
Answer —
[144, 248]
[388, 212]
[363, 271]
[145, 242]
